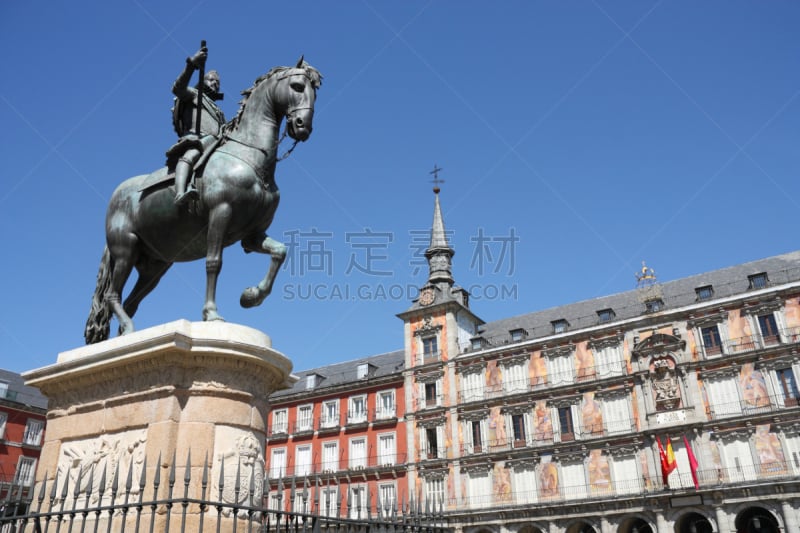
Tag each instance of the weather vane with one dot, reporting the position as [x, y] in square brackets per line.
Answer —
[436, 179]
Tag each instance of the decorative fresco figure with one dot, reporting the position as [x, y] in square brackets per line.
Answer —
[538, 369]
[543, 424]
[599, 472]
[591, 414]
[584, 362]
[494, 377]
[770, 454]
[497, 427]
[548, 480]
[501, 484]
[754, 389]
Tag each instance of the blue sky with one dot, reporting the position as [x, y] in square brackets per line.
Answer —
[577, 139]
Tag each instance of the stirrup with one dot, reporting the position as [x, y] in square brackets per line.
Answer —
[184, 198]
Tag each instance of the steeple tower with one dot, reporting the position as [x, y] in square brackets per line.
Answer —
[439, 254]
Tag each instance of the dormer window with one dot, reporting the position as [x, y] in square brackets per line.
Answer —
[560, 326]
[705, 292]
[363, 371]
[758, 281]
[518, 335]
[312, 380]
[478, 343]
[654, 306]
[605, 315]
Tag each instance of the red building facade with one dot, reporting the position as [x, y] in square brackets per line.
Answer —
[337, 441]
[22, 422]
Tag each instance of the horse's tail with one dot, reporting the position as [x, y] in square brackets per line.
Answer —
[98, 325]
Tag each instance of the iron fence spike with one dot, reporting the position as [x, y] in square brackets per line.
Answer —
[129, 478]
[188, 473]
[172, 468]
[204, 482]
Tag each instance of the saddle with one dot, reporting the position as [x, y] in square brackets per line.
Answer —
[166, 177]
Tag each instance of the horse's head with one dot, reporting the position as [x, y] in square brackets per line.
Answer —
[296, 91]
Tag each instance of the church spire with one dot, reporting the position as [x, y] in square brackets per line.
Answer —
[439, 253]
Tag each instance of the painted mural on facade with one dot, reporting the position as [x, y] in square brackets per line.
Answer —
[599, 472]
[494, 377]
[738, 326]
[497, 427]
[592, 415]
[537, 369]
[542, 423]
[501, 483]
[584, 361]
[769, 451]
[548, 480]
[753, 387]
[791, 313]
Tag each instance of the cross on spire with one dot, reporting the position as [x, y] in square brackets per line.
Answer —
[436, 179]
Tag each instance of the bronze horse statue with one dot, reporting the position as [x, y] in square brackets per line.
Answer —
[238, 199]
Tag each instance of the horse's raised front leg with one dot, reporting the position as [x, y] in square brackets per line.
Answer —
[218, 220]
[253, 296]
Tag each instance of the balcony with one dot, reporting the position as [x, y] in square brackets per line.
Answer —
[357, 418]
[428, 358]
[756, 406]
[328, 424]
[750, 343]
[384, 415]
[372, 463]
[430, 402]
[279, 431]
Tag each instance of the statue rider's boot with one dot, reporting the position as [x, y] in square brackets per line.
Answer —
[182, 195]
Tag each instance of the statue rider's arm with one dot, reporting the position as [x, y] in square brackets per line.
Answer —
[181, 86]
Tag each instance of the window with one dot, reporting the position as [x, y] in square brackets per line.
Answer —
[431, 393]
[516, 377]
[476, 435]
[358, 453]
[712, 342]
[358, 501]
[329, 501]
[574, 481]
[654, 306]
[758, 281]
[518, 427]
[302, 460]
[432, 439]
[330, 414]
[559, 326]
[280, 422]
[330, 456]
[434, 492]
[723, 395]
[3, 389]
[705, 292]
[430, 348]
[561, 369]
[616, 415]
[626, 477]
[363, 371]
[565, 424]
[386, 404]
[769, 329]
[33, 432]
[305, 418]
[311, 381]
[479, 489]
[302, 501]
[738, 460]
[605, 315]
[472, 386]
[387, 453]
[523, 483]
[387, 500]
[518, 335]
[608, 359]
[3, 419]
[478, 343]
[788, 386]
[26, 468]
[277, 463]
[275, 499]
[358, 409]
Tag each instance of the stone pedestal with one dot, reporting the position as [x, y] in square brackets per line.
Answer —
[144, 406]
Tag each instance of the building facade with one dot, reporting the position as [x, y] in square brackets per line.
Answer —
[673, 407]
[337, 442]
[23, 413]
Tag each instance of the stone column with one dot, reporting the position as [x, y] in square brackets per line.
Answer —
[661, 524]
[722, 519]
[181, 398]
[789, 517]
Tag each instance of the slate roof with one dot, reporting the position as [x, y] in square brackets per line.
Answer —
[728, 281]
[343, 373]
[20, 393]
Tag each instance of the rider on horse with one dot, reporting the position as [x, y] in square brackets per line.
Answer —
[183, 155]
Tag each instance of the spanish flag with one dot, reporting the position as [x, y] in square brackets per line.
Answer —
[672, 464]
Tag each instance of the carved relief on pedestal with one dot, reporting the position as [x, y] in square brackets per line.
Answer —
[95, 462]
[239, 468]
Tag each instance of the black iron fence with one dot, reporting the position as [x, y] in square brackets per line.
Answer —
[180, 501]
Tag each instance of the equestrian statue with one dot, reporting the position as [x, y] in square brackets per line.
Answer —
[151, 224]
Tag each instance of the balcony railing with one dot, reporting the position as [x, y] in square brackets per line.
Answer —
[548, 492]
[429, 357]
[756, 406]
[429, 402]
[383, 414]
[340, 465]
[357, 416]
[749, 343]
